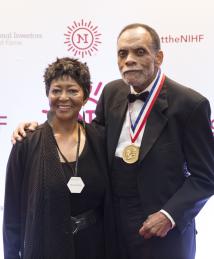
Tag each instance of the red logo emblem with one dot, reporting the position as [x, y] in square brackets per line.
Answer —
[212, 126]
[82, 38]
[4, 117]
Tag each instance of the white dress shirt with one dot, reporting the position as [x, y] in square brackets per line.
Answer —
[125, 139]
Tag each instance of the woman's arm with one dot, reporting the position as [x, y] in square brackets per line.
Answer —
[12, 203]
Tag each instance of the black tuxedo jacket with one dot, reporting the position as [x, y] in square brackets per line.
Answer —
[176, 155]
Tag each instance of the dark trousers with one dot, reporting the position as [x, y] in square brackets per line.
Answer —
[129, 213]
[130, 216]
[129, 220]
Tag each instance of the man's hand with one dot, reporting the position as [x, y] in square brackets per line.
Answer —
[157, 224]
[19, 133]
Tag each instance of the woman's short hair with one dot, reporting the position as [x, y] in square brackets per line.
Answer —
[69, 67]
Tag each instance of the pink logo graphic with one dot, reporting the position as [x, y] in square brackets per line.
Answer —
[90, 105]
[3, 117]
[212, 126]
[82, 38]
[182, 38]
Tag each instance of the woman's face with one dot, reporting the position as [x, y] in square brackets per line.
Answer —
[66, 97]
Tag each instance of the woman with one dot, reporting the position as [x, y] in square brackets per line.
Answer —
[57, 202]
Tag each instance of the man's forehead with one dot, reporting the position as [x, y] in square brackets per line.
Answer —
[131, 48]
[133, 33]
[134, 38]
[133, 45]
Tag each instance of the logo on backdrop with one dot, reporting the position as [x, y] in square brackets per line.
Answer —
[212, 126]
[182, 38]
[82, 38]
[3, 119]
[91, 104]
[13, 39]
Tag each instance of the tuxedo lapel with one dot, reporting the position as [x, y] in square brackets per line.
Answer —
[116, 122]
[155, 124]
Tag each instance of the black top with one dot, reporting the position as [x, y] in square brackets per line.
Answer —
[93, 192]
[89, 243]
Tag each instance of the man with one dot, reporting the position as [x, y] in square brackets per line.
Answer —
[160, 151]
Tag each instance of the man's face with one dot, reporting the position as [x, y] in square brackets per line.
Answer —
[137, 60]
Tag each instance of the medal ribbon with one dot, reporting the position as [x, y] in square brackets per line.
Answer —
[139, 123]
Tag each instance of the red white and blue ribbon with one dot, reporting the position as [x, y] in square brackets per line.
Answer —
[139, 123]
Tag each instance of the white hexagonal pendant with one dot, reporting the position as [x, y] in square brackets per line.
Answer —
[75, 184]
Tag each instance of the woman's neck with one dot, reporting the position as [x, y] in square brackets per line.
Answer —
[64, 127]
[67, 138]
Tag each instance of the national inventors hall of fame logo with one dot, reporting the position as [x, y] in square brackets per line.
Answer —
[82, 38]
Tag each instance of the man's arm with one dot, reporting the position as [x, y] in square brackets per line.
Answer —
[186, 203]
[198, 147]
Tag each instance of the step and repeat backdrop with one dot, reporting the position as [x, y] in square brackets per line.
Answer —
[33, 33]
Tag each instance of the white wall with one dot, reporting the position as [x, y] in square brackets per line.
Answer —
[32, 35]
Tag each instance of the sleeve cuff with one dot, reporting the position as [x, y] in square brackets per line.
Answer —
[169, 217]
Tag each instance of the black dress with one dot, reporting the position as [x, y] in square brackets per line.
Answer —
[89, 242]
[38, 204]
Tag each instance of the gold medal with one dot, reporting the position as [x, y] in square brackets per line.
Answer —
[130, 154]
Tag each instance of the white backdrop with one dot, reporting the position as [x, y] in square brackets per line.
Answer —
[34, 32]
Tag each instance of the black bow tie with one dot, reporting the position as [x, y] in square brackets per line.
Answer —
[133, 97]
